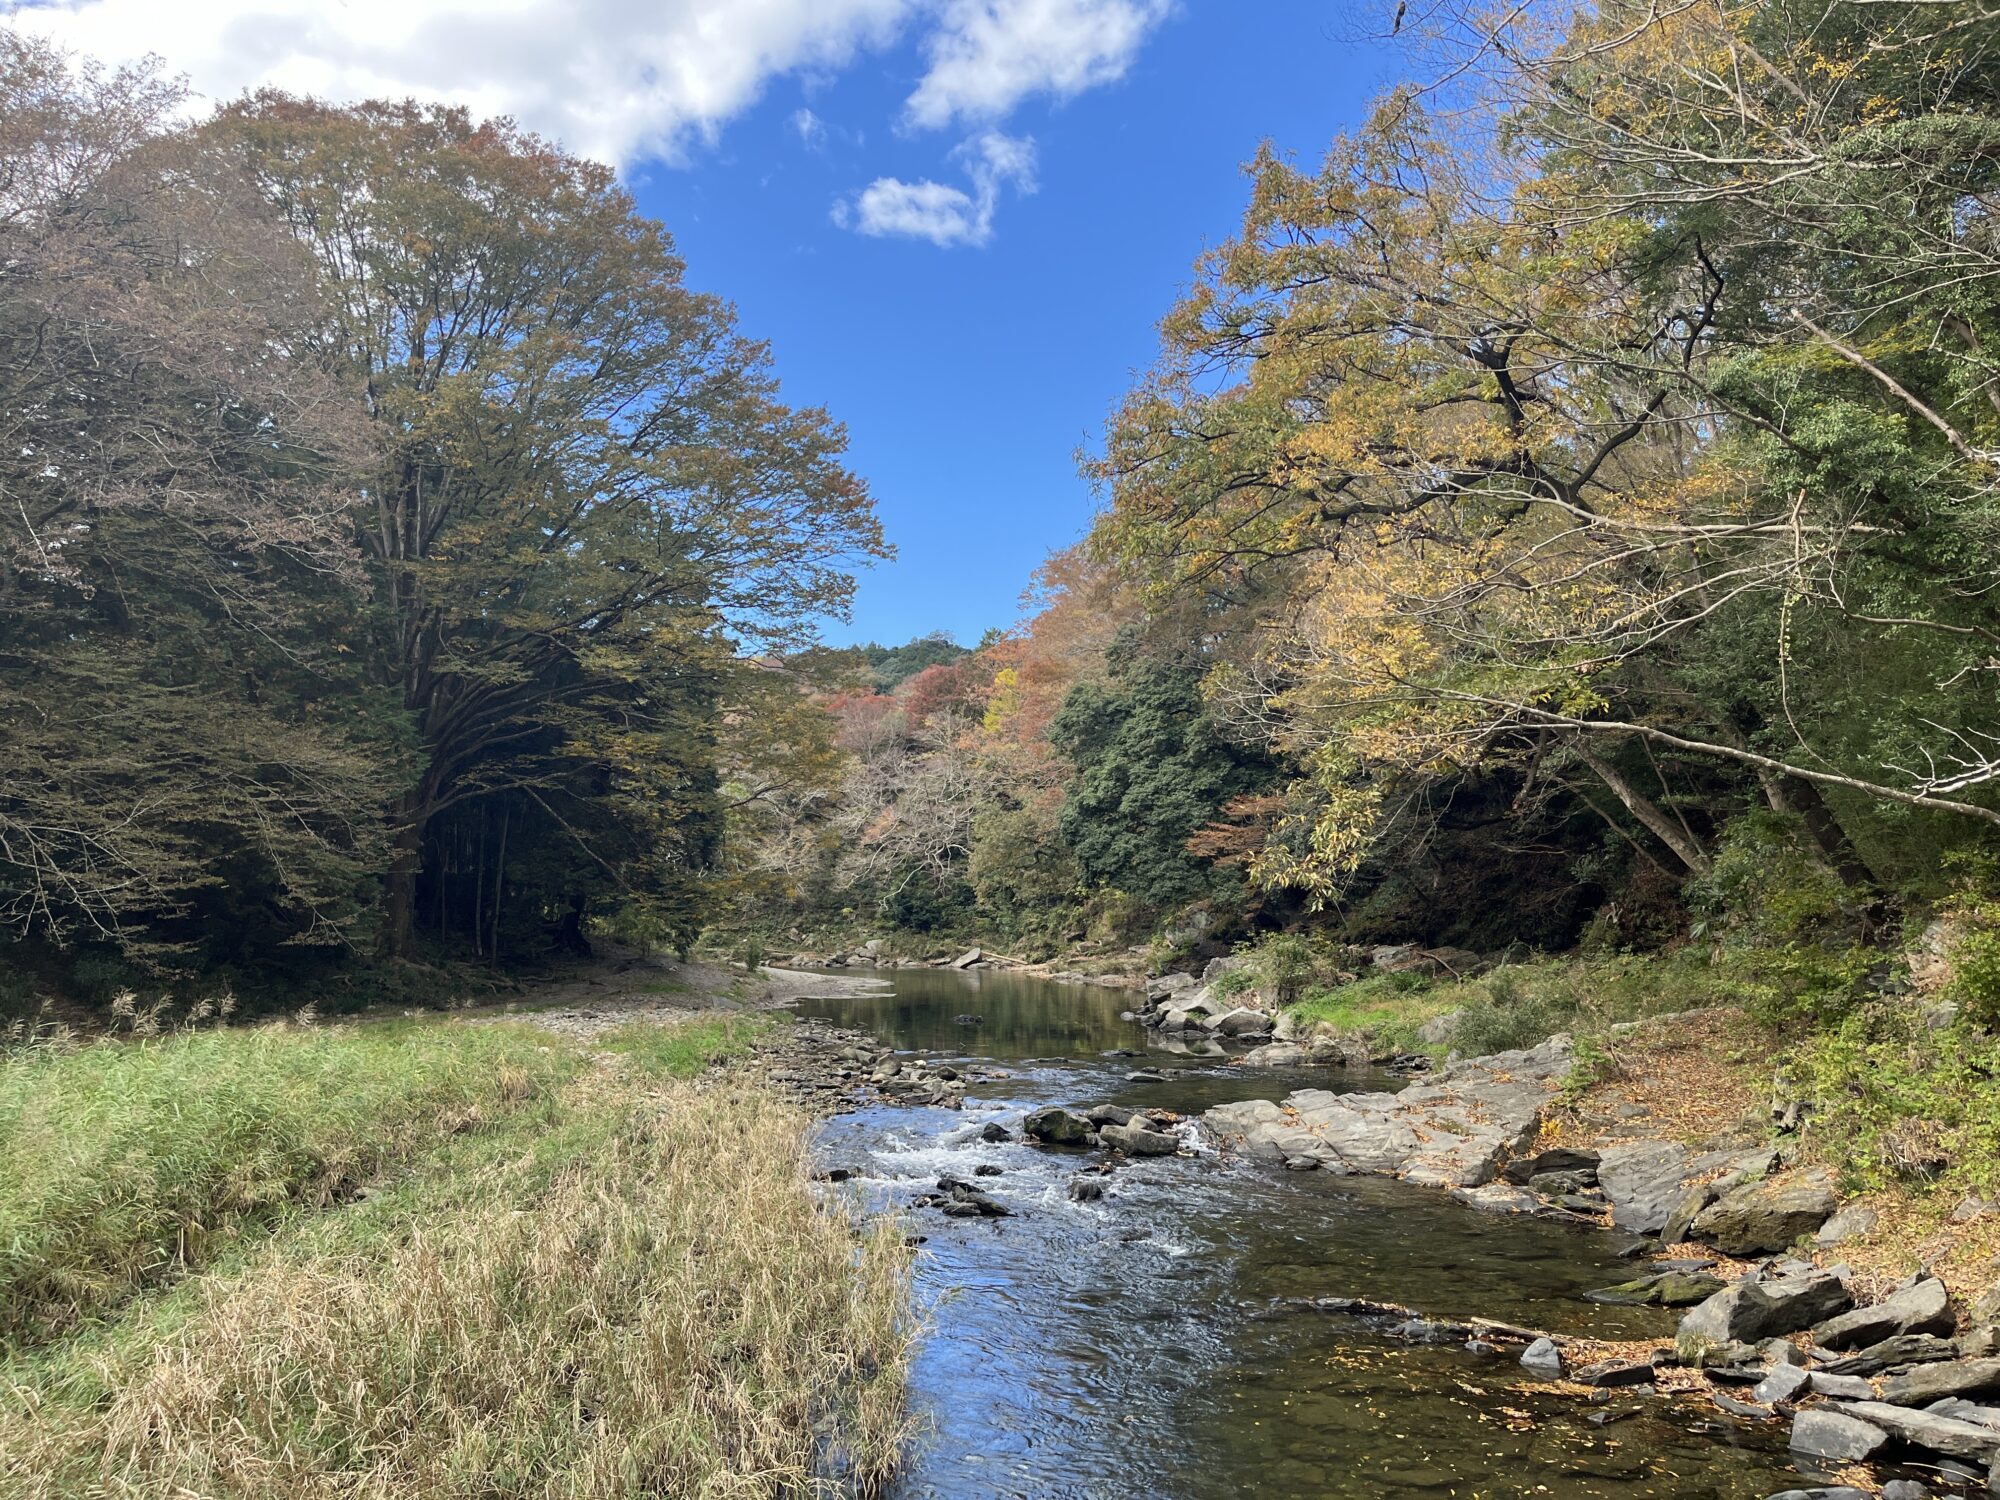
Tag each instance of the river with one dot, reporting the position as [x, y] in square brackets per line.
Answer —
[1143, 1346]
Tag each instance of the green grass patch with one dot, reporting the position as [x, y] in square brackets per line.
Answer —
[684, 1050]
[123, 1163]
[1519, 1005]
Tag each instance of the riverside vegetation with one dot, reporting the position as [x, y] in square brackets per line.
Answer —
[1544, 586]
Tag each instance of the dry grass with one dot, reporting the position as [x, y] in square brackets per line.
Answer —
[629, 1288]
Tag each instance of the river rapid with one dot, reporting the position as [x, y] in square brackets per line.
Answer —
[1153, 1344]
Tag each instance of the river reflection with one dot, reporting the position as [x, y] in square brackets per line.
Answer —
[1150, 1345]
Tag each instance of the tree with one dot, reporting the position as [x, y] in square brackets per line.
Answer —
[1152, 769]
[585, 478]
[188, 755]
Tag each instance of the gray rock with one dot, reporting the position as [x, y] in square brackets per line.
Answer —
[1753, 1310]
[1086, 1189]
[1819, 1433]
[1841, 1387]
[1452, 1131]
[1135, 1140]
[1242, 1021]
[1543, 1358]
[1110, 1114]
[1923, 1308]
[1524, 1170]
[1056, 1127]
[1643, 1182]
[1848, 1223]
[1904, 1349]
[1966, 1411]
[1756, 1218]
[1939, 1434]
[1616, 1372]
[1905, 1489]
[1679, 1228]
[1927, 1383]
[1824, 1492]
[1783, 1384]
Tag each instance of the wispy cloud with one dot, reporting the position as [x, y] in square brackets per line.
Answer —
[938, 212]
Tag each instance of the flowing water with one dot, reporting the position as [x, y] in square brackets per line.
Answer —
[1152, 1345]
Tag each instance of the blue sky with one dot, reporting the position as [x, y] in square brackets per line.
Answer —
[969, 376]
[957, 222]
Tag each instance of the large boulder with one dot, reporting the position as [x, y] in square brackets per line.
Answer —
[1137, 1139]
[1754, 1310]
[1922, 1308]
[1054, 1126]
[1241, 1021]
[1757, 1218]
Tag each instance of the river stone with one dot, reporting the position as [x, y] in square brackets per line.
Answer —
[1668, 1289]
[1055, 1126]
[1966, 1411]
[1110, 1114]
[1783, 1384]
[1904, 1349]
[1753, 1310]
[1543, 1358]
[1926, 1383]
[1842, 1387]
[1086, 1189]
[1848, 1223]
[1820, 1433]
[1755, 1218]
[1927, 1430]
[1134, 1140]
[1241, 1021]
[1616, 1372]
[1524, 1170]
[1824, 1492]
[1923, 1308]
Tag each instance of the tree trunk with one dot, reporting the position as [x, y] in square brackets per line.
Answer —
[1677, 839]
[411, 820]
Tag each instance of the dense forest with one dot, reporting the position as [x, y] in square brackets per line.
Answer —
[1562, 515]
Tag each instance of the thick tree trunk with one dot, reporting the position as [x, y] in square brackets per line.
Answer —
[1675, 836]
[1801, 799]
[411, 818]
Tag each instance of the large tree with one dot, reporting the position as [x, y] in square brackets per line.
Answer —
[585, 479]
[184, 752]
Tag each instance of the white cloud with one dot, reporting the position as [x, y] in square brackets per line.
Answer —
[938, 212]
[988, 55]
[621, 80]
[628, 81]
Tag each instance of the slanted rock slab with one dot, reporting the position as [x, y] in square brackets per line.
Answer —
[1820, 1433]
[1932, 1382]
[1923, 1308]
[1927, 1430]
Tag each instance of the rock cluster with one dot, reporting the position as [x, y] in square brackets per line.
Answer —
[1455, 1131]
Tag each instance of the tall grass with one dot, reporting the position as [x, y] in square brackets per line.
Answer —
[122, 1163]
[626, 1287]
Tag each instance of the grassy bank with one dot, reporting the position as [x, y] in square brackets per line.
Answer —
[612, 1279]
